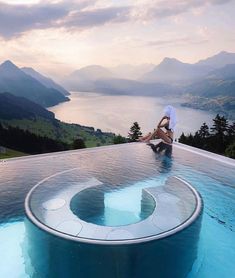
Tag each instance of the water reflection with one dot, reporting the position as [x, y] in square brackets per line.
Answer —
[164, 154]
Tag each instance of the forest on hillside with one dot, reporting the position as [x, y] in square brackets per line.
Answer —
[220, 138]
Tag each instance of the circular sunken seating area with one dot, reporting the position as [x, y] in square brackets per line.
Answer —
[64, 204]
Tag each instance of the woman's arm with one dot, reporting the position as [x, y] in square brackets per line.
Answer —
[159, 124]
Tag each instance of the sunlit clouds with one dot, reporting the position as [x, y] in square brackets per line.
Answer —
[57, 37]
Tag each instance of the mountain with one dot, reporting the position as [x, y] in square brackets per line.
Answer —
[133, 87]
[101, 80]
[49, 83]
[225, 73]
[219, 60]
[12, 107]
[215, 92]
[170, 77]
[93, 72]
[173, 70]
[211, 88]
[132, 72]
[85, 77]
[217, 83]
[17, 82]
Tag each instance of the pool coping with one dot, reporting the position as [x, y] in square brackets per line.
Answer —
[195, 214]
[204, 153]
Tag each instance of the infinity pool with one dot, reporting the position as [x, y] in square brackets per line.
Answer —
[126, 169]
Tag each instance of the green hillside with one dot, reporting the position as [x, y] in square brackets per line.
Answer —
[62, 131]
[11, 153]
[26, 115]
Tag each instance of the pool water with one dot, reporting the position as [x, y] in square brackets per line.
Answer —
[136, 167]
[122, 206]
[125, 204]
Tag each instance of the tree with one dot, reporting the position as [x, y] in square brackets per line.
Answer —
[183, 138]
[201, 137]
[230, 151]
[118, 139]
[219, 133]
[204, 131]
[220, 126]
[221, 140]
[24, 141]
[134, 132]
[78, 144]
[231, 133]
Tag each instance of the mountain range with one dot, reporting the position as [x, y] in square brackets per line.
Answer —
[212, 81]
[126, 79]
[48, 82]
[170, 71]
[96, 78]
[30, 85]
[207, 83]
[173, 70]
[219, 82]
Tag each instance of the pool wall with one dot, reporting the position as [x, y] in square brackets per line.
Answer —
[52, 256]
[169, 253]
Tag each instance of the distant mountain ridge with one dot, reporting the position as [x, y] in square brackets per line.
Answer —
[48, 82]
[226, 73]
[131, 72]
[209, 83]
[99, 79]
[173, 70]
[219, 60]
[212, 80]
[84, 78]
[217, 83]
[16, 81]
[170, 71]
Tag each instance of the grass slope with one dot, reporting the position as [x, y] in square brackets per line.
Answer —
[62, 131]
[11, 153]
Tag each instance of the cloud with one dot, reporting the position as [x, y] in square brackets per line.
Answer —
[96, 17]
[16, 19]
[83, 14]
[163, 9]
[175, 42]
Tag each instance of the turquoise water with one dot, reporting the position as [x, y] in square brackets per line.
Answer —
[12, 260]
[125, 204]
[121, 206]
[133, 165]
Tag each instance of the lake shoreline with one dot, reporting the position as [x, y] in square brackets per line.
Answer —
[116, 113]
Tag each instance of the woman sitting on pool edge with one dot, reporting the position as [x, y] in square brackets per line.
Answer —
[169, 125]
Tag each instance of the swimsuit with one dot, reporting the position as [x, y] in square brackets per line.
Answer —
[169, 129]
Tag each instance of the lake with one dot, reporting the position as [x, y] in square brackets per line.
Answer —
[117, 113]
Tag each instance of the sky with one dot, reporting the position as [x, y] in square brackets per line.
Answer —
[57, 37]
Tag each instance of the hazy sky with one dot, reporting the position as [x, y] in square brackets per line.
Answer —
[56, 37]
